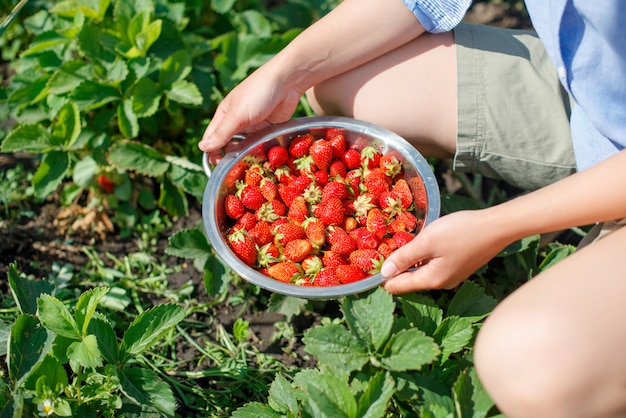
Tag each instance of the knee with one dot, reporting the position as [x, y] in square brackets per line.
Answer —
[520, 361]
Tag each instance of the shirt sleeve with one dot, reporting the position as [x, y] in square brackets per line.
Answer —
[438, 16]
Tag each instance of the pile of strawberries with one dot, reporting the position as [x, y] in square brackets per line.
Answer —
[319, 213]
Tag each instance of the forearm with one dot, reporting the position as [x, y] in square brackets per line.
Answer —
[355, 32]
[597, 194]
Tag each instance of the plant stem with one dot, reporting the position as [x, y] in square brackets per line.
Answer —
[5, 24]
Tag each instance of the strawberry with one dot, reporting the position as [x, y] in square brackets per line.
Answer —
[268, 255]
[340, 241]
[246, 222]
[311, 265]
[330, 212]
[298, 210]
[300, 145]
[288, 193]
[338, 143]
[419, 193]
[351, 159]
[285, 271]
[348, 273]
[322, 154]
[365, 239]
[254, 175]
[233, 207]
[376, 181]
[385, 249]
[297, 249]
[349, 223]
[305, 165]
[270, 211]
[370, 157]
[337, 169]
[402, 238]
[335, 189]
[391, 203]
[404, 221]
[287, 232]
[326, 277]
[331, 132]
[237, 173]
[321, 178]
[390, 165]
[363, 204]
[242, 244]
[368, 260]
[277, 156]
[106, 183]
[283, 174]
[268, 188]
[402, 189]
[354, 178]
[377, 222]
[261, 233]
[313, 194]
[315, 231]
[332, 259]
[251, 196]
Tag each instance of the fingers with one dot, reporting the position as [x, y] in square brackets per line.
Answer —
[221, 129]
[403, 258]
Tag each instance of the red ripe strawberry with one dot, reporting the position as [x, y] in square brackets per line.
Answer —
[326, 277]
[283, 174]
[349, 223]
[298, 210]
[315, 231]
[390, 165]
[338, 143]
[402, 238]
[337, 169]
[322, 153]
[311, 265]
[270, 211]
[297, 249]
[288, 193]
[354, 179]
[340, 241]
[305, 165]
[277, 156]
[264, 270]
[402, 189]
[285, 271]
[370, 157]
[331, 132]
[419, 193]
[404, 221]
[321, 178]
[332, 259]
[365, 239]
[385, 249]
[243, 246]
[246, 222]
[330, 211]
[351, 159]
[261, 233]
[287, 232]
[376, 181]
[251, 196]
[300, 145]
[367, 260]
[300, 183]
[363, 204]
[107, 184]
[268, 255]
[254, 175]
[335, 189]
[313, 194]
[376, 222]
[268, 188]
[237, 173]
[391, 203]
[233, 207]
[348, 273]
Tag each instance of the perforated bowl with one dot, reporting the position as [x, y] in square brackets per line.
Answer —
[358, 134]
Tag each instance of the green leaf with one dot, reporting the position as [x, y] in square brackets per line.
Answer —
[222, 6]
[422, 311]
[184, 92]
[69, 8]
[148, 36]
[56, 317]
[282, 396]
[470, 397]
[44, 42]
[107, 341]
[555, 255]
[175, 68]
[26, 291]
[187, 176]
[68, 77]
[145, 98]
[84, 354]
[520, 246]
[373, 402]
[454, 203]
[188, 243]
[328, 396]
[90, 95]
[144, 387]
[86, 306]
[134, 156]
[51, 172]
[148, 328]
[216, 276]
[256, 410]
[127, 120]
[173, 199]
[286, 305]
[84, 171]
[28, 138]
[67, 127]
[54, 372]
[453, 335]
[471, 302]
[409, 350]
[370, 319]
[5, 331]
[27, 346]
[336, 346]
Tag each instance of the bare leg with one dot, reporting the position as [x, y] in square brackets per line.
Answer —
[555, 347]
[411, 91]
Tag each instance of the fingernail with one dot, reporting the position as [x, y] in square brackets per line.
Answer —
[388, 269]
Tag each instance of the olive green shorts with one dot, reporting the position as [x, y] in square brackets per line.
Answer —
[513, 114]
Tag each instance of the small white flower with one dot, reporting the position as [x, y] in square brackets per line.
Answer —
[45, 408]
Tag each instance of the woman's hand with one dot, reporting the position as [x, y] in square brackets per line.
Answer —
[448, 251]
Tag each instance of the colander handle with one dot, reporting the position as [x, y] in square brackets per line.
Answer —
[205, 156]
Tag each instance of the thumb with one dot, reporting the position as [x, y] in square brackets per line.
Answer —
[220, 131]
[404, 257]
